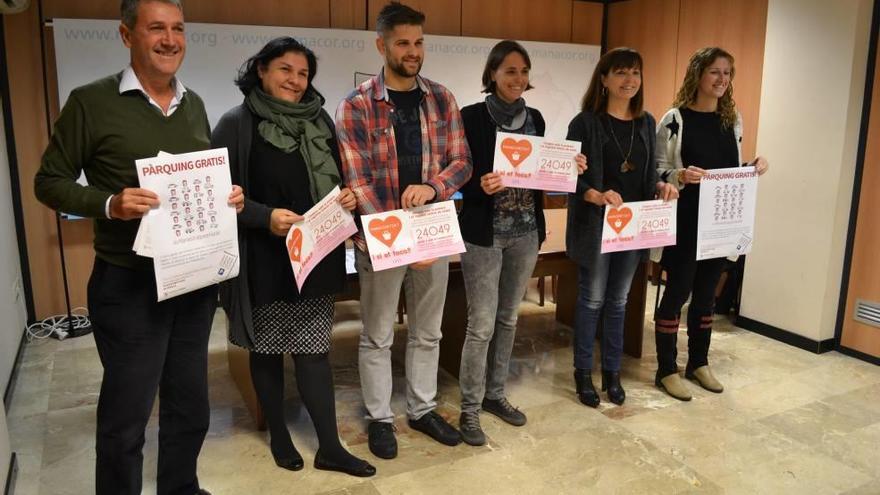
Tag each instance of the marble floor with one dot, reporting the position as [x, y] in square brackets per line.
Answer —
[788, 422]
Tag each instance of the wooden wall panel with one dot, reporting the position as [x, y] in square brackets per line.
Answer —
[260, 12]
[738, 26]
[256, 12]
[517, 19]
[441, 16]
[864, 282]
[586, 23]
[651, 27]
[93, 9]
[348, 14]
[31, 136]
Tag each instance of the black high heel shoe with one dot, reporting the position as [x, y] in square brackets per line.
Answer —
[586, 392]
[611, 383]
[360, 467]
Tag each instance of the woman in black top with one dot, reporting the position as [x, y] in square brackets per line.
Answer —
[618, 138]
[702, 131]
[282, 149]
[502, 229]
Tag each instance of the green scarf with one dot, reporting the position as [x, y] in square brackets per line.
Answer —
[291, 126]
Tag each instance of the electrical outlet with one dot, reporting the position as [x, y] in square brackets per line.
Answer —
[16, 289]
[18, 292]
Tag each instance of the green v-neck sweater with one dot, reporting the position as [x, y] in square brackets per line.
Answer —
[101, 132]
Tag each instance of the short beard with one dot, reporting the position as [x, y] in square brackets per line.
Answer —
[400, 69]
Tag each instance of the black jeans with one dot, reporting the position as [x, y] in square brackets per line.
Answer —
[697, 279]
[147, 346]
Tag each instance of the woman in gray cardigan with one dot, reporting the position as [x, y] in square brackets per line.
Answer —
[282, 150]
[618, 138]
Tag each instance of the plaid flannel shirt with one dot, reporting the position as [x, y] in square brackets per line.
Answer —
[364, 125]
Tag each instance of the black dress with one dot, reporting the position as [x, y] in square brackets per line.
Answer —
[285, 320]
[708, 145]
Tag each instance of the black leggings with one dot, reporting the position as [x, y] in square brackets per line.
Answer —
[314, 380]
[698, 280]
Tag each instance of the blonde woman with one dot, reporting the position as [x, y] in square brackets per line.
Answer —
[702, 131]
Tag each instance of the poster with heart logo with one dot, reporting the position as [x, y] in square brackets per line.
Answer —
[639, 225]
[533, 162]
[402, 237]
[726, 217]
[323, 228]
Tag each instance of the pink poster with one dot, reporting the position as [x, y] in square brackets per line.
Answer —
[401, 237]
[533, 162]
[639, 225]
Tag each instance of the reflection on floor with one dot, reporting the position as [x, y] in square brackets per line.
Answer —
[788, 422]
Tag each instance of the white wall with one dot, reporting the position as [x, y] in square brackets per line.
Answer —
[12, 307]
[811, 102]
[5, 451]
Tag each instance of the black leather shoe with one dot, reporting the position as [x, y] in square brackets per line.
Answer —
[290, 460]
[611, 383]
[360, 467]
[290, 463]
[381, 440]
[433, 425]
[586, 392]
[202, 491]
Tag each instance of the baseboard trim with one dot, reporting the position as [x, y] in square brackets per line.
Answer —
[784, 336]
[11, 475]
[13, 375]
[868, 358]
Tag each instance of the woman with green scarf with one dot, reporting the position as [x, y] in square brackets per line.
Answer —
[282, 150]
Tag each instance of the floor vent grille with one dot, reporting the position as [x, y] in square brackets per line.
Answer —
[867, 312]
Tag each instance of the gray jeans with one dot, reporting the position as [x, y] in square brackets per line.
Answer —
[495, 279]
[425, 292]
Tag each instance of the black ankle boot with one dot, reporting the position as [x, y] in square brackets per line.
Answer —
[611, 383]
[586, 392]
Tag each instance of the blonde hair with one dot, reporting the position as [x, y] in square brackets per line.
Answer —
[687, 93]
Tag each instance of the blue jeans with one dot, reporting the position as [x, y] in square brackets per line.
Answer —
[603, 285]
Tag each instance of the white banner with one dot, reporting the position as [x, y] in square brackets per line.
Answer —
[86, 49]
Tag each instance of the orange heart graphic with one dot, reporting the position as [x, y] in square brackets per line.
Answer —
[385, 230]
[516, 151]
[619, 218]
[294, 245]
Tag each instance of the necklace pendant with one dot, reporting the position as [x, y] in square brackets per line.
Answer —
[626, 166]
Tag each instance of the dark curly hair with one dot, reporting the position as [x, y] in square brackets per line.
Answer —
[687, 93]
[249, 76]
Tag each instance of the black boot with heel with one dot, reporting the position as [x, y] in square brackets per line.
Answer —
[611, 384]
[586, 392]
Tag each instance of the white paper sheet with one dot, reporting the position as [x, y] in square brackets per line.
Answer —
[726, 219]
[193, 234]
[324, 227]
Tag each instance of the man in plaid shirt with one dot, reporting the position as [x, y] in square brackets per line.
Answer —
[403, 145]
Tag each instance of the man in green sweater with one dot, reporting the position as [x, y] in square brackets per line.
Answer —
[144, 345]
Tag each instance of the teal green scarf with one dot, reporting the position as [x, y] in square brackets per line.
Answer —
[291, 126]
